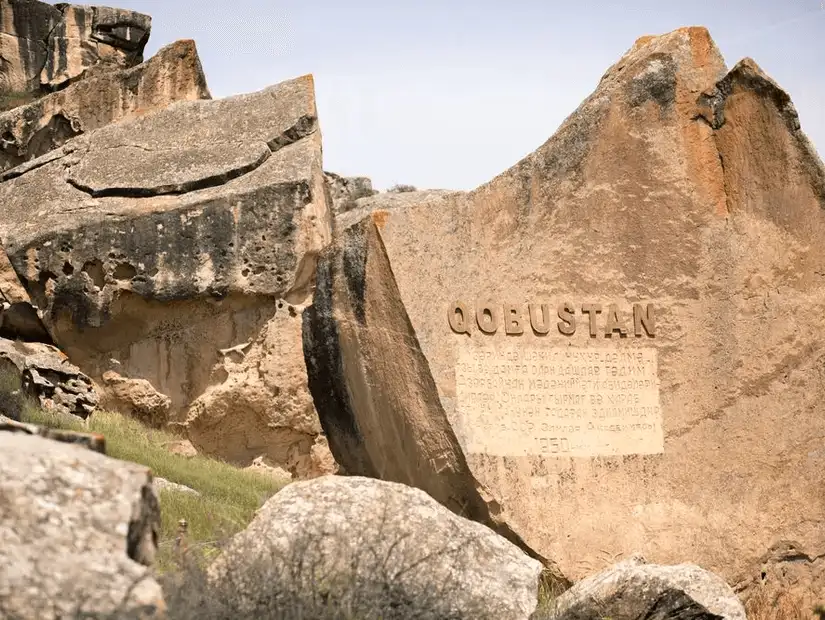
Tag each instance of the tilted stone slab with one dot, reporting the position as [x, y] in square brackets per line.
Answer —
[687, 197]
[173, 74]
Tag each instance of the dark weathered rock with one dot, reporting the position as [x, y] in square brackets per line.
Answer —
[25, 26]
[634, 589]
[353, 535]
[173, 74]
[355, 325]
[49, 377]
[676, 186]
[169, 256]
[78, 531]
[46, 47]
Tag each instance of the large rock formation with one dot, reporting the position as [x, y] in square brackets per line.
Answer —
[169, 257]
[78, 529]
[370, 546]
[45, 47]
[29, 131]
[620, 335]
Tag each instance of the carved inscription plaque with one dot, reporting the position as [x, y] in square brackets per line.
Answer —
[563, 401]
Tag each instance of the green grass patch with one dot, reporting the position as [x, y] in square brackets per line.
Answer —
[12, 99]
[229, 496]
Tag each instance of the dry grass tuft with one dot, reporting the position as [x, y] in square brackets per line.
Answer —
[786, 606]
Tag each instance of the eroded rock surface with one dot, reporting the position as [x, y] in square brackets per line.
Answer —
[634, 589]
[677, 186]
[44, 47]
[173, 74]
[49, 377]
[366, 535]
[345, 191]
[79, 530]
[170, 255]
[372, 385]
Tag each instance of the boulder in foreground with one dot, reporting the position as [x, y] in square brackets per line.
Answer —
[634, 589]
[78, 531]
[368, 545]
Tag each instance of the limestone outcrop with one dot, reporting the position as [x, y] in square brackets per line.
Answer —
[29, 131]
[620, 336]
[345, 191]
[45, 47]
[353, 539]
[170, 255]
[48, 377]
[79, 530]
[635, 589]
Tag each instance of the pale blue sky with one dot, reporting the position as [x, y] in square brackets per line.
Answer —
[447, 94]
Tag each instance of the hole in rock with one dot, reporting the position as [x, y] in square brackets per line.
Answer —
[245, 272]
[45, 276]
[67, 268]
[124, 271]
[94, 269]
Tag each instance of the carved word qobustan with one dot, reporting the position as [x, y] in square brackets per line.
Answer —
[516, 318]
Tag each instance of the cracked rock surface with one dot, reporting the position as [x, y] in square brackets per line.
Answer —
[46, 47]
[78, 529]
[153, 247]
[676, 183]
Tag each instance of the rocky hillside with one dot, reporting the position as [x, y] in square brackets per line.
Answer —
[608, 352]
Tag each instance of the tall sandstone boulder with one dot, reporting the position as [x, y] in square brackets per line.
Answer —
[170, 255]
[44, 47]
[617, 343]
